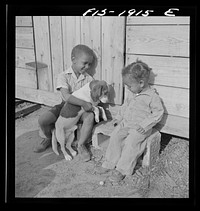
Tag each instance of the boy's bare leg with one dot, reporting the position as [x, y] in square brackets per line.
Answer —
[85, 133]
[46, 123]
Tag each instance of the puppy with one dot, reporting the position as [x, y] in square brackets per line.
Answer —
[93, 92]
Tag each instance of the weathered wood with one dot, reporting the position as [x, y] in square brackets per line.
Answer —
[165, 70]
[71, 36]
[175, 100]
[24, 21]
[27, 110]
[158, 40]
[42, 44]
[92, 38]
[24, 37]
[151, 153]
[26, 77]
[113, 35]
[174, 125]
[157, 20]
[23, 56]
[56, 47]
[38, 96]
[41, 70]
[171, 124]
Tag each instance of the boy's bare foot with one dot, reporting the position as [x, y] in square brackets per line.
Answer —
[46, 143]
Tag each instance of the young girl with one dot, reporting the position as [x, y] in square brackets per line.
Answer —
[140, 112]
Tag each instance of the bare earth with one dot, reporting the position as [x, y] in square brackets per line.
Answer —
[48, 175]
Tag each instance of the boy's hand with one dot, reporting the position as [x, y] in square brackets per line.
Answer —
[139, 129]
[87, 106]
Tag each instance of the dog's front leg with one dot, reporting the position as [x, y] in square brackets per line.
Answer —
[96, 113]
[70, 140]
[103, 113]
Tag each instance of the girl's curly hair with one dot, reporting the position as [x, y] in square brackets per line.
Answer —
[137, 70]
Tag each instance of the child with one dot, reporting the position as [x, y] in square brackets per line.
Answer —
[140, 112]
[67, 82]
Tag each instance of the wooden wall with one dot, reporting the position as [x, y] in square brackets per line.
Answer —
[44, 44]
[25, 52]
[163, 43]
[50, 40]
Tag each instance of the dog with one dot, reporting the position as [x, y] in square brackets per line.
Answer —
[94, 92]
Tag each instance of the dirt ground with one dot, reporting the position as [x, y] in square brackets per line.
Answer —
[51, 176]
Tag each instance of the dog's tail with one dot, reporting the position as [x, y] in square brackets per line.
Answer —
[54, 142]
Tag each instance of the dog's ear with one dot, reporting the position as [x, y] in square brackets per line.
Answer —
[96, 92]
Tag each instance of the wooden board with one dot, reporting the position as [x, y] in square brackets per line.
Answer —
[113, 37]
[27, 110]
[71, 36]
[158, 40]
[42, 44]
[91, 36]
[176, 100]
[174, 125]
[24, 37]
[169, 71]
[38, 96]
[24, 21]
[26, 77]
[56, 47]
[170, 124]
[157, 20]
[23, 56]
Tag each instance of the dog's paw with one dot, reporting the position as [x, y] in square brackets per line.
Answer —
[74, 153]
[105, 118]
[97, 119]
[68, 157]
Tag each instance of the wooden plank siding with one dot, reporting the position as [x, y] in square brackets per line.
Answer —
[54, 38]
[43, 50]
[113, 46]
[42, 47]
[24, 21]
[24, 52]
[163, 43]
[167, 41]
[56, 47]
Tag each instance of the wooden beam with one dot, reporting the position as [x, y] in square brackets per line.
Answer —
[27, 110]
[38, 96]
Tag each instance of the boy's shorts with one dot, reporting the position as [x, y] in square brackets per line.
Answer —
[56, 109]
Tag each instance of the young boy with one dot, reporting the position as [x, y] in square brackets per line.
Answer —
[140, 112]
[67, 82]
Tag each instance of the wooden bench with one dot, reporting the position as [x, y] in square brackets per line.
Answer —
[151, 152]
